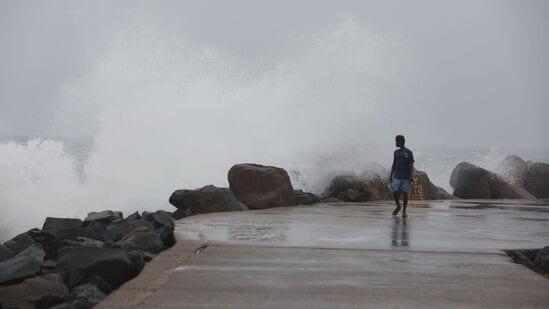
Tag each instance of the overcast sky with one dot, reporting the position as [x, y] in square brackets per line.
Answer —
[479, 68]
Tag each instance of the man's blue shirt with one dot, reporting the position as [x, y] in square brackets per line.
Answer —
[404, 158]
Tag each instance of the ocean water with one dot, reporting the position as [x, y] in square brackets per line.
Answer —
[58, 177]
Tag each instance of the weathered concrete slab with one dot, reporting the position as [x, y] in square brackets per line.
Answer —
[445, 254]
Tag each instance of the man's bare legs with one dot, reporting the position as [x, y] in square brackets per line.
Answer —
[396, 195]
[404, 204]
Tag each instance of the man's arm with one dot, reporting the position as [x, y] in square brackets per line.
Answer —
[411, 167]
[411, 172]
[392, 171]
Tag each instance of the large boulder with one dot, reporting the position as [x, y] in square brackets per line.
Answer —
[352, 188]
[55, 226]
[511, 169]
[536, 179]
[38, 292]
[23, 265]
[19, 243]
[105, 216]
[5, 253]
[260, 187]
[206, 199]
[71, 229]
[77, 264]
[472, 182]
[424, 189]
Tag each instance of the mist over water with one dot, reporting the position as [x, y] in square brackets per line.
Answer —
[165, 113]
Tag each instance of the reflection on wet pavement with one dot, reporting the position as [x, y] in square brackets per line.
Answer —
[452, 226]
[399, 235]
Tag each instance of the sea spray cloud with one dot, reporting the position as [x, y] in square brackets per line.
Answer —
[39, 179]
[174, 114]
[166, 113]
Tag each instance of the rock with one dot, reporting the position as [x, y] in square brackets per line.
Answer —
[138, 259]
[472, 182]
[76, 264]
[511, 169]
[352, 188]
[5, 253]
[62, 228]
[88, 242]
[260, 187]
[428, 190]
[536, 179]
[19, 243]
[179, 214]
[542, 260]
[305, 198]
[23, 265]
[206, 199]
[51, 247]
[103, 285]
[502, 190]
[86, 296]
[38, 292]
[97, 230]
[142, 238]
[331, 200]
[159, 219]
[52, 226]
[121, 228]
[352, 195]
[133, 217]
[48, 266]
[106, 216]
[378, 188]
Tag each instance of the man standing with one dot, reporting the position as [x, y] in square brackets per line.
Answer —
[401, 174]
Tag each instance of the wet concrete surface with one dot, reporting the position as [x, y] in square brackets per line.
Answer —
[445, 254]
[431, 226]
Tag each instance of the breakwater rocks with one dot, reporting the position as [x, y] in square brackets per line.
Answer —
[73, 263]
[514, 179]
[535, 259]
[255, 186]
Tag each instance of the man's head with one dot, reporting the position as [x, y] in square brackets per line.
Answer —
[399, 140]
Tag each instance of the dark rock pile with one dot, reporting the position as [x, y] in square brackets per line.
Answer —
[535, 259]
[73, 263]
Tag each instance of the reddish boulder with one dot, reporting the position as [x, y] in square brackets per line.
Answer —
[424, 189]
[260, 187]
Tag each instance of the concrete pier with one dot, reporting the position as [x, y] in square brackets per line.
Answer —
[445, 254]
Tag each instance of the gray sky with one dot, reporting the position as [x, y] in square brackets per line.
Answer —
[476, 71]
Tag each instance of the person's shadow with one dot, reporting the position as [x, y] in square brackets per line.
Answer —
[399, 233]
